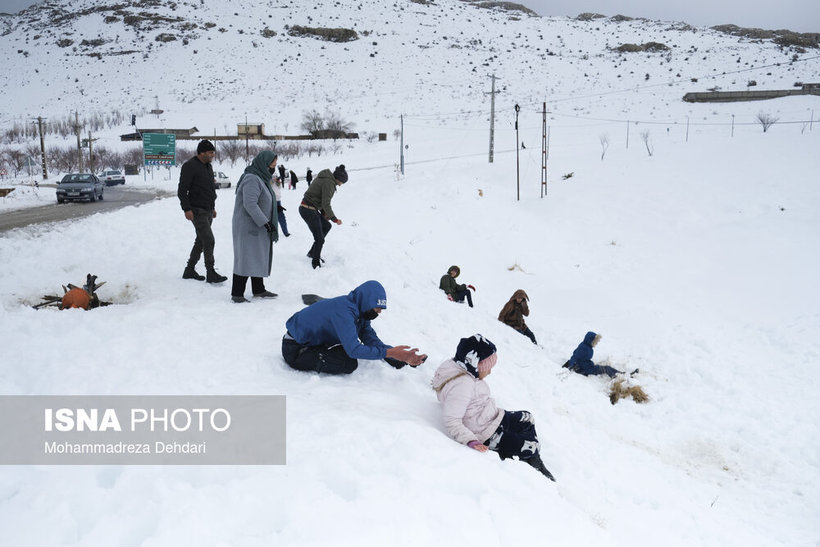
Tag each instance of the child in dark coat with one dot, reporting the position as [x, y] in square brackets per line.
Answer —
[581, 360]
[514, 311]
[454, 291]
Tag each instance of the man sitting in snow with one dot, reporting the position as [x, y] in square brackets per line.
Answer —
[331, 335]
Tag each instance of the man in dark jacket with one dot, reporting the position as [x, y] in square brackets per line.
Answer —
[316, 211]
[330, 335]
[197, 197]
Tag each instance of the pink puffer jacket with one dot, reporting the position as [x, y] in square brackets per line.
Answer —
[468, 410]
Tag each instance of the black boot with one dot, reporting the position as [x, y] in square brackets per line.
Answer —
[214, 277]
[316, 263]
[536, 462]
[191, 273]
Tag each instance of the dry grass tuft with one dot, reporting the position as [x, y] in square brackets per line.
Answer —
[620, 390]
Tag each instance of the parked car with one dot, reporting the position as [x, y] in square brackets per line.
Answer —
[80, 187]
[112, 177]
[221, 180]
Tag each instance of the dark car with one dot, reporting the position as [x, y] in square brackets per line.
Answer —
[80, 187]
[112, 177]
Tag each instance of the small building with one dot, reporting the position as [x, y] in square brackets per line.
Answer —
[251, 130]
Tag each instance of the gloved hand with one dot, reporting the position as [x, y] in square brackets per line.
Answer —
[450, 297]
[471, 287]
[280, 208]
[270, 227]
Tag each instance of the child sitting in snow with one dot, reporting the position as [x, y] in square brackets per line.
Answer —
[581, 360]
[453, 290]
[514, 311]
[470, 414]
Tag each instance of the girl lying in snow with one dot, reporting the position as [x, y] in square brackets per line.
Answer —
[470, 414]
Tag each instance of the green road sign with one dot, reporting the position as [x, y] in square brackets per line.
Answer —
[159, 148]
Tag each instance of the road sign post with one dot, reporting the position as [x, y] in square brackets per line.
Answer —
[159, 149]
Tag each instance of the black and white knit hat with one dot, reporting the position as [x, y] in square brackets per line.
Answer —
[472, 350]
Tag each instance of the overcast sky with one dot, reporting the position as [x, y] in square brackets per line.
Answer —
[796, 15]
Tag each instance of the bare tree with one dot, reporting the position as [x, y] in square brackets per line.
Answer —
[312, 121]
[766, 120]
[604, 144]
[232, 149]
[645, 139]
[16, 160]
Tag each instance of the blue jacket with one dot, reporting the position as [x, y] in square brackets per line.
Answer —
[339, 321]
[582, 356]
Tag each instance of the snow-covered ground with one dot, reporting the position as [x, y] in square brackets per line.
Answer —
[696, 263]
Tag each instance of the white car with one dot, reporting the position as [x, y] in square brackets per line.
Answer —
[112, 177]
[221, 180]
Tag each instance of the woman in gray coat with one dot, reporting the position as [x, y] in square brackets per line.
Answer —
[254, 227]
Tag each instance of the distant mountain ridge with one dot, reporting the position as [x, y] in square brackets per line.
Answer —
[104, 55]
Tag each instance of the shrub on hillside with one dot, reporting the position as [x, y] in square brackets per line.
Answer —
[327, 34]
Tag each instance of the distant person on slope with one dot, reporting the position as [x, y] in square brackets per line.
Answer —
[197, 197]
[331, 335]
[514, 311]
[581, 360]
[309, 176]
[316, 211]
[280, 211]
[470, 414]
[293, 180]
[454, 291]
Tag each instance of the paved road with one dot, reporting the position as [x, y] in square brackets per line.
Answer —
[116, 197]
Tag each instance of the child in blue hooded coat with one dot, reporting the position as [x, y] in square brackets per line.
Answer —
[581, 360]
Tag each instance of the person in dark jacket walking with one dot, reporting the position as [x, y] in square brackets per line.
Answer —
[514, 311]
[293, 180]
[471, 416]
[331, 335]
[309, 176]
[254, 228]
[316, 211]
[197, 197]
[581, 360]
[454, 291]
[282, 174]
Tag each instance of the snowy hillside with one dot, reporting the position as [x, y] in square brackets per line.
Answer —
[210, 64]
[694, 261]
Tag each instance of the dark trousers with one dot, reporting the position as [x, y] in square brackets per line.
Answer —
[240, 281]
[515, 436]
[328, 359]
[591, 369]
[459, 296]
[319, 226]
[283, 222]
[528, 333]
[204, 242]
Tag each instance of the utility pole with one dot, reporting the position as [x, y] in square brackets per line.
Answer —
[90, 153]
[544, 154]
[247, 153]
[42, 146]
[492, 117]
[401, 145]
[517, 165]
[79, 143]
